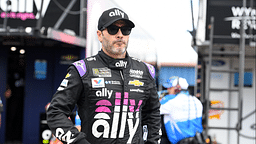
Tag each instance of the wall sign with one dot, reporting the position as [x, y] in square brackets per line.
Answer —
[68, 59]
[248, 79]
[25, 13]
[227, 20]
[216, 114]
[40, 69]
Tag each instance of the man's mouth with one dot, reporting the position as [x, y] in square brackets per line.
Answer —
[119, 43]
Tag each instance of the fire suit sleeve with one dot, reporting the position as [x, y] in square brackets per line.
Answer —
[61, 107]
[151, 115]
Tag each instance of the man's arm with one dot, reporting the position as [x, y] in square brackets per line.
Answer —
[151, 115]
[62, 105]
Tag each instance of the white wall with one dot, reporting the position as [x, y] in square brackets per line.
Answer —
[249, 106]
[230, 118]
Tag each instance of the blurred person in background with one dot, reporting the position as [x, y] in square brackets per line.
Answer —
[115, 94]
[77, 121]
[181, 114]
[53, 139]
[14, 95]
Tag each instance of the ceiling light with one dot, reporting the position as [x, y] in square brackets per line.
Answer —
[28, 30]
[22, 51]
[13, 48]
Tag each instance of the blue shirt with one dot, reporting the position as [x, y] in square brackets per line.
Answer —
[182, 116]
[77, 120]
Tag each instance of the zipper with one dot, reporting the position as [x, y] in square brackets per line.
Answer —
[121, 73]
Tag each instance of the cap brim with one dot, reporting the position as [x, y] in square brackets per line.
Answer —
[130, 23]
[167, 85]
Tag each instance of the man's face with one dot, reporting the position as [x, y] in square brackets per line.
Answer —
[171, 90]
[114, 45]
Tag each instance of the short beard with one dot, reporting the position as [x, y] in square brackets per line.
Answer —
[111, 49]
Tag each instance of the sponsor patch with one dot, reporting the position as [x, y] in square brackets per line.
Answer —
[60, 89]
[64, 83]
[137, 90]
[113, 82]
[91, 59]
[101, 72]
[68, 75]
[151, 70]
[121, 63]
[136, 83]
[104, 92]
[136, 73]
[137, 59]
[98, 82]
[81, 67]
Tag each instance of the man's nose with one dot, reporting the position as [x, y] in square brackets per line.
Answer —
[119, 34]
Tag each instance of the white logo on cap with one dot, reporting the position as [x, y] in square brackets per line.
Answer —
[116, 13]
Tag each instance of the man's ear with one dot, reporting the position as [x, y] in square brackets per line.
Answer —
[99, 34]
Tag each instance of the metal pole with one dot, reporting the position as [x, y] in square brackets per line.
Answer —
[195, 46]
[250, 29]
[64, 14]
[196, 75]
[8, 2]
[39, 21]
[229, 97]
[241, 72]
[193, 25]
[82, 24]
[208, 73]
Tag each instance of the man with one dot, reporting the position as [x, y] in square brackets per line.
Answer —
[181, 113]
[116, 94]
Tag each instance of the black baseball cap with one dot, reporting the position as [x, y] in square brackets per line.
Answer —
[110, 16]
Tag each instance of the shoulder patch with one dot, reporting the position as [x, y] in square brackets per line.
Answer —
[137, 59]
[91, 59]
[151, 70]
[80, 66]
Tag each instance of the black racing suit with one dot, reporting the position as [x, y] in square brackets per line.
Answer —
[115, 99]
